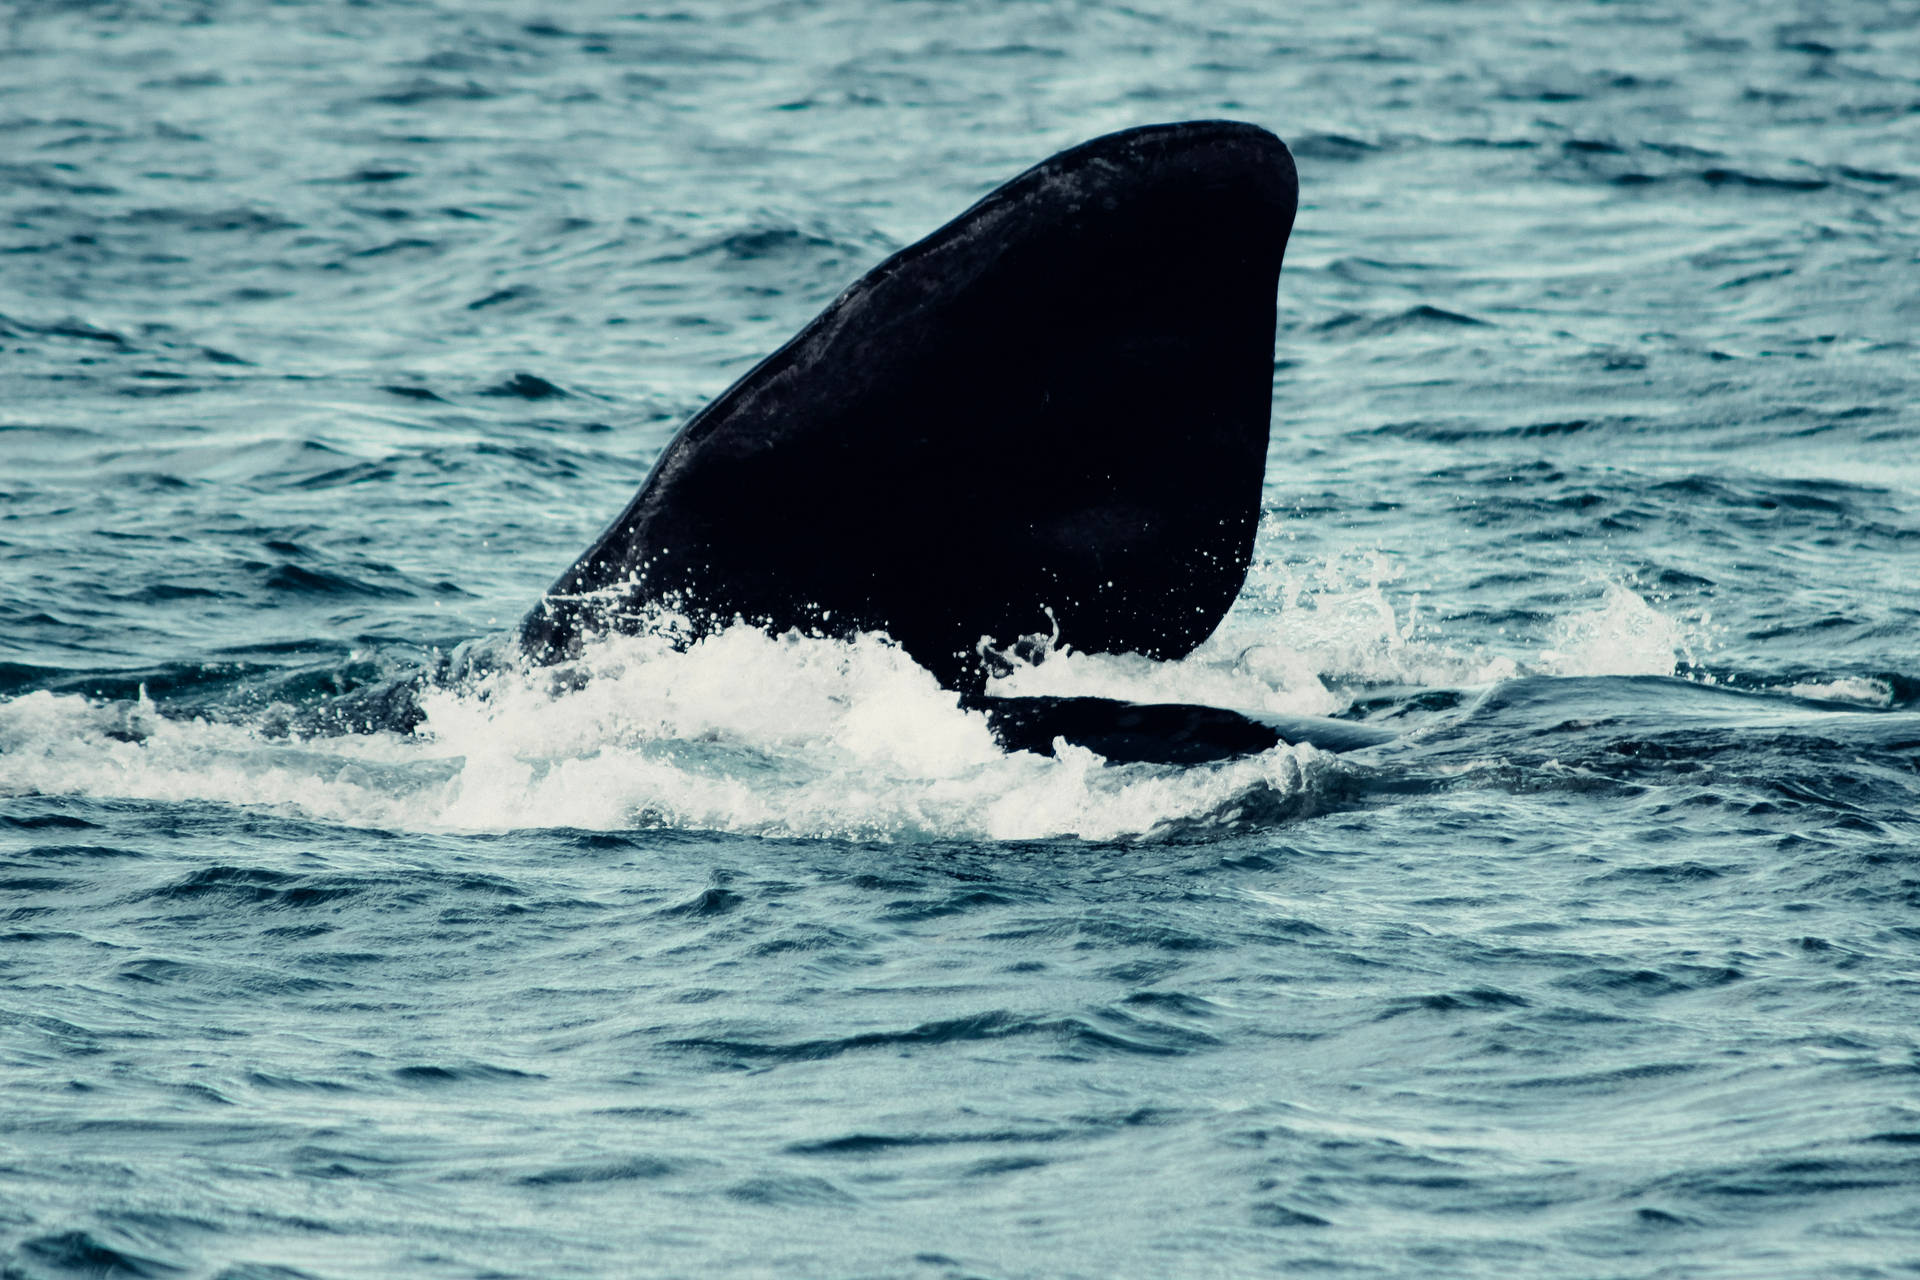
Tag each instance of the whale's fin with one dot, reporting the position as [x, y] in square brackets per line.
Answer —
[1047, 417]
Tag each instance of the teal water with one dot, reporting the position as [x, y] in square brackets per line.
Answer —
[330, 334]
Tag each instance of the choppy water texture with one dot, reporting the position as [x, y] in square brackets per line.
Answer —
[332, 333]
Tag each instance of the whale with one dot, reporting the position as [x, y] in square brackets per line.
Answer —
[1042, 426]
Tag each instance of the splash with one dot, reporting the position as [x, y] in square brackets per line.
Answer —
[1625, 636]
[1338, 618]
[1336, 621]
[804, 736]
[741, 732]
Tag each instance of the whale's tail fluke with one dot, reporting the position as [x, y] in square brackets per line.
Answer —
[1048, 417]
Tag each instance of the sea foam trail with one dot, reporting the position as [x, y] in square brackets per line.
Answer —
[743, 732]
[802, 736]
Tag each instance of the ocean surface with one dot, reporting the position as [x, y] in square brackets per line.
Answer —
[330, 334]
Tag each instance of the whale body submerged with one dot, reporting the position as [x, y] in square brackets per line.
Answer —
[1047, 419]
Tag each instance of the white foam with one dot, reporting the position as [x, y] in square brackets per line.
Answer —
[741, 732]
[1862, 690]
[58, 744]
[802, 736]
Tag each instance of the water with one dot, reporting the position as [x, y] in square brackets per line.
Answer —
[332, 334]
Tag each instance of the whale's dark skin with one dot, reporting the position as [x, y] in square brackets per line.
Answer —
[1049, 417]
